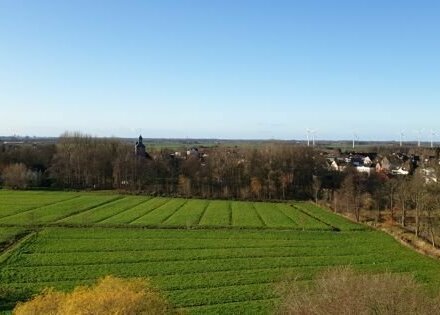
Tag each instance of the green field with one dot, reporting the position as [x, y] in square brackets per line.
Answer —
[208, 257]
[110, 210]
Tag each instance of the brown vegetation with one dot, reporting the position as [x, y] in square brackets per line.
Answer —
[17, 176]
[343, 291]
[271, 172]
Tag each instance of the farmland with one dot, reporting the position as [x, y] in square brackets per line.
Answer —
[206, 256]
[110, 210]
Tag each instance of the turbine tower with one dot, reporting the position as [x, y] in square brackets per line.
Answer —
[313, 136]
[308, 137]
[419, 136]
[432, 137]
[355, 137]
[402, 135]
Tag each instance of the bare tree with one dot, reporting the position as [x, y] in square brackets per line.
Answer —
[418, 194]
[16, 176]
[403, 194]
[316, 187]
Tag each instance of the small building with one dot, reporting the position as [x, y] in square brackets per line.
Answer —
[400, 171]
[193, 152]
[367, 169]
[367, 161]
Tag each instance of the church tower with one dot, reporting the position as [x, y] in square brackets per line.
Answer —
[139, 148]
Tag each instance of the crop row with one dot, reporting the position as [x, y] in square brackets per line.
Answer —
[301, 219]
[93, 233]
[12, 273]
[111, 209]
[90, 257]
[244, 214]
[223, 279]
[162, 213]
[45, 250]
[232, 277]
[217, 213]
[189, 214]
[20, 207]
[209, 296]
[76, 245]
[57, 211]
[136, 212]
[105, 211]
[196, 280]
[205, 270]
[255, 306]
[32, 198]
[328, 217]
[8, 233]
[272, 216]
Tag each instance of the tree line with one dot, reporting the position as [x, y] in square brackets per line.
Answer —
[266, 172]
[79, 161]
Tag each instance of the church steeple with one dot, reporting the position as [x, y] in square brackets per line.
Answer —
[139, 148]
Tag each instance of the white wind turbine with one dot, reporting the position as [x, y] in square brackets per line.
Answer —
[308, 136]
[402, 135]
[433, 134]
[419, 136]
[313, 136]
[355, 137]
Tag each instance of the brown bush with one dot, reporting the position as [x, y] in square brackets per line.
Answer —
[109, 296]
[343, 291]
[16, 176]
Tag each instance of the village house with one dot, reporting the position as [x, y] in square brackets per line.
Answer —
[367, 169]
[362, 162]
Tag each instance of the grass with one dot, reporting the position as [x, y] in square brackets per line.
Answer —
[220, 257]
[136, 212]
[58, 210]
[15, 202]
[104, 211]
[108, 209]
[302, 219]
[189, 214]
[327, 217]
[204, 269]
[272, 216]
[162, 213]
[217, 213]
[8, 233]
[245, 215]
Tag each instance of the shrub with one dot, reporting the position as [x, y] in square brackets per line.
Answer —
[17, 176]
[109, 296]
[343, 291]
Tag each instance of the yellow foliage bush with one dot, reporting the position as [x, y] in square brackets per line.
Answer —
[110, 295]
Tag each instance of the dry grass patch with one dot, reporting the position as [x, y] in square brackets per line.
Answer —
[343, 291]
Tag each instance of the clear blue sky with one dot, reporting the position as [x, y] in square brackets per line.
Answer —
[219, 68]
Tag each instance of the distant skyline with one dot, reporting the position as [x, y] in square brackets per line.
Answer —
[221, 69]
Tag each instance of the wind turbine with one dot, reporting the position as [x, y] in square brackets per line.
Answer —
[308, 137]
[355, 137]
[313, 136]
[432, 137]
[419, 136]
[402, 135]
